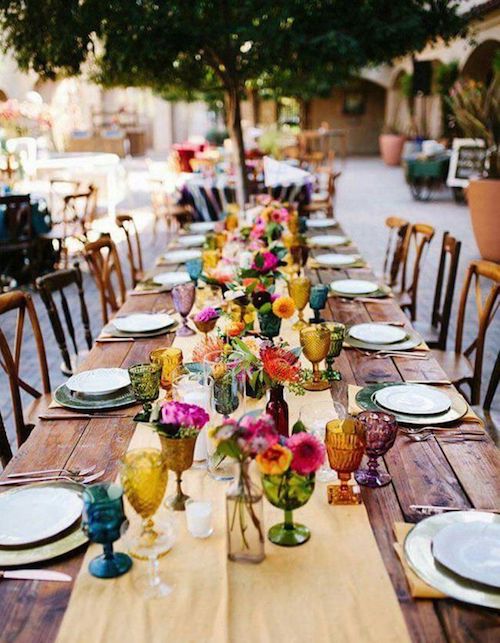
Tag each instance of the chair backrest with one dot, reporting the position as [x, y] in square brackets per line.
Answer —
[486, 310]
[441, 308]
[5, 450]
[57, 282]
[80, 207]
[127, 224]
[417, 245]
[10, 361]
[17, 218]
[58, 189]
[397, 241]
[104, 263]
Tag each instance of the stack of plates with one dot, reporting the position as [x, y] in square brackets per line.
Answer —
[413, 404]
[40, 522]
[100, 388]
[458, 553]
[141, 325]
[202, 226]
[352, 288]
[328, 240]
[334, 260]
[373, 336]
[191, 240]
[179, 256]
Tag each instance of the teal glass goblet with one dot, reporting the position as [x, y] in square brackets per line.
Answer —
[337, 334]
[317, 301]
[194, 268]
[103, 521]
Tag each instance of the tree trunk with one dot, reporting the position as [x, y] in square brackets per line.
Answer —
[233, 115]
[305, 113]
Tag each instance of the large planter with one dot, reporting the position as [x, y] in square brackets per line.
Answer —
[391, 148]
[483, 196]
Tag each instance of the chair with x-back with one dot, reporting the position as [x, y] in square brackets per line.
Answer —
[418, 241]
[5, 450]
[397, 242]
[134, 252]
[10, 361]
[104, 263]
[59, 282]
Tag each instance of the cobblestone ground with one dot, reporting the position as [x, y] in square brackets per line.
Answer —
[368, 192]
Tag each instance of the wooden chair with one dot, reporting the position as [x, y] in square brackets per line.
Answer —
[418, 242]
[134, 252]
[493, 385]
[455, 363]
[104, 263]
[324, 201]
[58, 282]
[18, 256]
[399, 230]
[436, 333]
[166, 209]
[5, 450]
[10, 361]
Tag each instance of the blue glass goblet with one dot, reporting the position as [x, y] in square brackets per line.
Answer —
[194, 268]
[317, 301]
[102, 521]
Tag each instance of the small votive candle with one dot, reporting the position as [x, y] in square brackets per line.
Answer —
[199, 518]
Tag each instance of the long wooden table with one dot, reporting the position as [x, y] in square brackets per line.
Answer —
[433, 472]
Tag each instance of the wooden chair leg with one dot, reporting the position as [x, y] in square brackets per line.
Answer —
[493, 385]
[5, 450]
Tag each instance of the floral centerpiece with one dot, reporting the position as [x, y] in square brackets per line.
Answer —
[265, 265]
[288, 471]
[243, 441]
[178, 425]
[206, 319]
[271, 309]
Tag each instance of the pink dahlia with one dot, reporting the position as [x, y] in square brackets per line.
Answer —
[186, 416]
[207, 314]
[259, 433]
[307, 451]
[269, 261]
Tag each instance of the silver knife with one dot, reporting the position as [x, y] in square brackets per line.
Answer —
[432, 510]
[35, 574]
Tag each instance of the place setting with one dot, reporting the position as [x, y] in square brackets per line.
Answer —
[139, 326]
[339, 261]
[173, 257]
[199, 227]
[321, 224]
[359, 289]
[161, 282]
[328, 240]
[379, 338]
[190, 240]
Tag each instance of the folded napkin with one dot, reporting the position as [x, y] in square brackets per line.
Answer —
[418, 587]
[353, 407]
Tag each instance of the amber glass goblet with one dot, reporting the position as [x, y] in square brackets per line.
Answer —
[380, 429]
[170, 360]
[345, 445]
[299, 289]
[315, 342]
[337, 334]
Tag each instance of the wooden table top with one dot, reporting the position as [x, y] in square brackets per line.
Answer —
[433, 472]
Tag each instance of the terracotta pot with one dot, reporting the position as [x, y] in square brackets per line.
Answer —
[391, 148]
[483, 196]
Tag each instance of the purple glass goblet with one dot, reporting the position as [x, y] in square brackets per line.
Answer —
[183, 297]
[380, 431]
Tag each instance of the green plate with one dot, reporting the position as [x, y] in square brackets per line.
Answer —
[458, 409]
[412, 340]
[418, 553]
[382, 292]
[109, 329]
[69, 540]
[64, 397]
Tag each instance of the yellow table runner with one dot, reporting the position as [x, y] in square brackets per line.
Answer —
[334, 588]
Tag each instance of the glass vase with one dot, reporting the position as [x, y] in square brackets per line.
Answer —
[277, 408]
[288, 491]
[270, 325]
[244, 518]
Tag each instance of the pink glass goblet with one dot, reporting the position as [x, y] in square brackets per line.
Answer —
[183, 297]
[380, 432]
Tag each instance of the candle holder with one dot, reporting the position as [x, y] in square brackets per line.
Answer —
[315, 342]
[345, 445]
[337, 334]
[317, 301]
[299, 290]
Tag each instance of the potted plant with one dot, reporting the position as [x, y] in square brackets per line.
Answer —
[391, 143]
[476, 108]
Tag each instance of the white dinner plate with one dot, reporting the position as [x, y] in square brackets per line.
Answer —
[180, 256]
[35, 513]
[191, 240]
[471, 550]
[327, 240]
[320, 223]
[413, 399]
[172, 278]
[377, 333]
[334, 259]
[142, 322]
[202, 226]
[99, 381]
[353, 287]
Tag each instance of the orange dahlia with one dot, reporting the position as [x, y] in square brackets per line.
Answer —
[274, 460]
[283, 307]
[280, 365]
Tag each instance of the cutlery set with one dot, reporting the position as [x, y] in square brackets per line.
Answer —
[433, 510]
[449, 436]
[35, 574]
[81, 416]
[43, 476]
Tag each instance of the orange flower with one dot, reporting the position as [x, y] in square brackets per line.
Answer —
[283, 307]
[280, 365]
[275, 460]
[206, 347]
[235, 329]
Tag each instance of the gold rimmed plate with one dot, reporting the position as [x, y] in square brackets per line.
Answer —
[412, 340]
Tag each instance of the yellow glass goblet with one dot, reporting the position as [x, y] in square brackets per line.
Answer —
[345, 445]
[315, 342]
[299, 289]
[144, 476]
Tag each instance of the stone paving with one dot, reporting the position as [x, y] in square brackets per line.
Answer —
[368, 192]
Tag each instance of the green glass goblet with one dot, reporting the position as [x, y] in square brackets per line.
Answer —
[317, 301]
[337, 334]
[194, 268]
[145, 382]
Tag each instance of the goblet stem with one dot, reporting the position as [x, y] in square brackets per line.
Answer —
[108, 551]
[288, 524]
[345, 494]
[316, 372]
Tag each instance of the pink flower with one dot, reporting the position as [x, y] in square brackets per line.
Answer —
[206, 314]
[307, 451]
[259, 433]
[188, 416]
[269, 262]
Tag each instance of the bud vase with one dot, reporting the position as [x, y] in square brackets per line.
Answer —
[277, 408]
[244, 518]
[270, 325]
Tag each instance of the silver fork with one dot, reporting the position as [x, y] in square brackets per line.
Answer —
[42, 472]
[79, 480]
